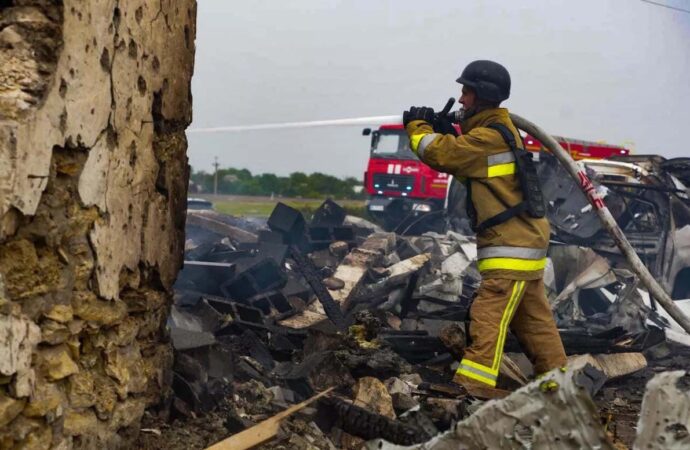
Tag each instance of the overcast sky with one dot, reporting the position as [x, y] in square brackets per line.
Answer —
[612, 70]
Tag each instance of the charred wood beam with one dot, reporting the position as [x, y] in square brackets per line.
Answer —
[309, 272]
[368, 425]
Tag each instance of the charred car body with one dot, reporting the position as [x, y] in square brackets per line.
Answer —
[646, 194]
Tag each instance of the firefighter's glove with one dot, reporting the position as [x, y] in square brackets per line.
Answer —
[418, 113]
[443, 126]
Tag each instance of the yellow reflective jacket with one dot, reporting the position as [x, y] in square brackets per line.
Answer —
[515, 249]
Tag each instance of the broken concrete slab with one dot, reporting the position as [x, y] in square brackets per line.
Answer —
[677, 337]
[354, 267]
[272, 304]
[329, 214]
[665, 415]
[204, 276]
[394, 277]
[399, 273]
[614, 365]
[397, 386]
[370, 393]
[449, 267]
[183, 339]
[362, 224]
[532, 417]
[261, 276]
[338, 249]
[288, 221]
[403, 402]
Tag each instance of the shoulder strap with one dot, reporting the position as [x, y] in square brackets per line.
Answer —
[501, 217]
[512, 211]
[506, 134]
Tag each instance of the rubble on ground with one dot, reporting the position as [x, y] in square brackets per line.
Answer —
[266, 317]
[535, 416]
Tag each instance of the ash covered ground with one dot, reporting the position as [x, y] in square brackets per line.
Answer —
[618, 404]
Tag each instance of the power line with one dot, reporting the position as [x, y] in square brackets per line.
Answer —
[666, 6]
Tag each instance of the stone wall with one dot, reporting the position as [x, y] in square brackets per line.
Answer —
[94, 100]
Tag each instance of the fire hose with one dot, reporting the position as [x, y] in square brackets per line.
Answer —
[579, 175]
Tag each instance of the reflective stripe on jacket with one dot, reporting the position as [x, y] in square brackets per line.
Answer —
[515, 249]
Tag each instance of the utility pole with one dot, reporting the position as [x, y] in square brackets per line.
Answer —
[215, 176]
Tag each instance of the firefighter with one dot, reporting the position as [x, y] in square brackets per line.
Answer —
[511, 243]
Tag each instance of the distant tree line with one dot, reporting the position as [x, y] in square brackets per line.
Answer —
[297, 184]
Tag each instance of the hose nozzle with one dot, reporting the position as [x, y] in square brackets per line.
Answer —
[453, 117]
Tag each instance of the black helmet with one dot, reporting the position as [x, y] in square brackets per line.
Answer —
[490, 80]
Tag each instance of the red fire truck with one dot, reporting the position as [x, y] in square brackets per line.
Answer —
[402, 189]
[579, 149]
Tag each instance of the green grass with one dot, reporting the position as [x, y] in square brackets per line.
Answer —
[263, 208]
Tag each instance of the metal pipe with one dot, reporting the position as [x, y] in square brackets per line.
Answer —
[579, 175]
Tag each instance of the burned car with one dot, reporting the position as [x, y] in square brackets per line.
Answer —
[646, 194]
[198, 204]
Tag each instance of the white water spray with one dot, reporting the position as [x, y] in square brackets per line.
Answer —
[375, 120]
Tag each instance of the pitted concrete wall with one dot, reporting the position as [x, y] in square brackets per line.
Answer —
[94, 100]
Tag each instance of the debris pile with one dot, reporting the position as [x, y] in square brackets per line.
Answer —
[649, 198]
[267, 317]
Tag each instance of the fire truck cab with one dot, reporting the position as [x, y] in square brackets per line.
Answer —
[401, 188]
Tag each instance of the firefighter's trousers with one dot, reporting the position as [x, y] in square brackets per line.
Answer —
[522, 306]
